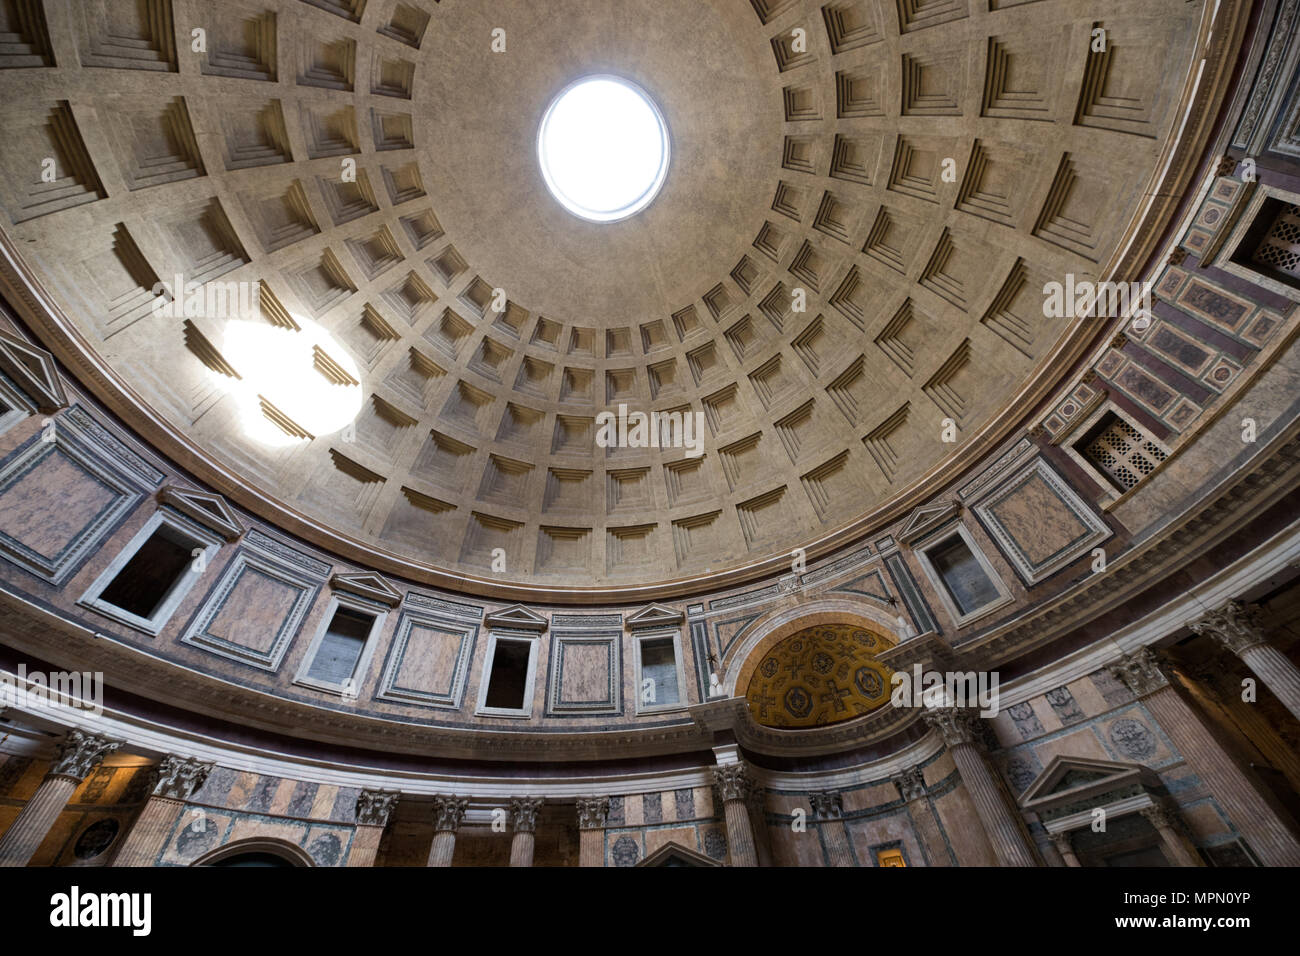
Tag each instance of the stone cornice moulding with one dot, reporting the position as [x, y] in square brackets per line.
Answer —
[517, 618]
[40, 384]
[367, 584]
[487, 792]
[1272, 558]
[209, 510]
[655, 615]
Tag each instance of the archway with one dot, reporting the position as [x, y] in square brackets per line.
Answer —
[257, 853]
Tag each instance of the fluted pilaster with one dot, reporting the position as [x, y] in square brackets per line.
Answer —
[78, 754]
[1001, 818]
[1251, 813]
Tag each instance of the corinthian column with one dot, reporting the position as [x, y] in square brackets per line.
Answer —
[175, 781]
[448, 812]
[1240, 629]
[374, 808]
[79, 753]
[1172, 838]
[828, 808]
[1001, 819]
[523, 817]
[734, 785]
[1250, 812]
[592, 812]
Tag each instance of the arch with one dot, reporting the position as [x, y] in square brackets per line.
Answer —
[776, 626]
[257, 846]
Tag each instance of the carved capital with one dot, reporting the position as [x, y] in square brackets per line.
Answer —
[910, 784]
[1162, 818]
[179, 778]
[1235, 626]
[523, 813]
[79, 753]
[1141, 672]
[1062, 842]
[374, 807]
[957, 725]
[733, 782]
[827, 805]
[448, 812]
[592, 812]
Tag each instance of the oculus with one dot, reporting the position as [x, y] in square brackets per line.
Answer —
[604, 149]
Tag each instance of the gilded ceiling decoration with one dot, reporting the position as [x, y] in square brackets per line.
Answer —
[821, 675]
[863, 202]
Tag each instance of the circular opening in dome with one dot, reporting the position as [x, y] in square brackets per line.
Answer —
[603, 147]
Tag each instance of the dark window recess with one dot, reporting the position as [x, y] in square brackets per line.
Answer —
[340, 649]
[968, 585]
[1271, 245]
[509, 675]
[1120, 451]
[659, 664]
[144, 583]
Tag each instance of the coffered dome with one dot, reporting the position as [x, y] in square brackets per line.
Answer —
[841, 276]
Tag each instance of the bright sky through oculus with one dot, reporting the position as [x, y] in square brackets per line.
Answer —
[604, 150]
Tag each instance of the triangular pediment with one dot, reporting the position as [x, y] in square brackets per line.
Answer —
[926, 518]
[33, 370]
[655, 615]
[674, 854]
[1068, 778]
[209, 510]
[368, 585]
[518, 617]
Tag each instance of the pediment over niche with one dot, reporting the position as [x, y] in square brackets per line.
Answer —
[209, 510]
[34, 372]
[518, 617]
[925, 519]
[655, 615]
[1067, 780]
[674, 854]
[367, 584]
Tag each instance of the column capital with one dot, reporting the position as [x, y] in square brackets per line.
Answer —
[374, 807]
[448, 812]
[1235, 626]
[1062, 841]
[1141, 672]
[523, 813]
[1162, 818]
[179, 778]
[79, 753]
[733, 781]
[592, 812]
[957, 725]
[827, 805]
[910, 784]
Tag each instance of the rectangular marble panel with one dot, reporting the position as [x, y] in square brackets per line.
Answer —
[429, 661]
[1039, 523]
[586, 673]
